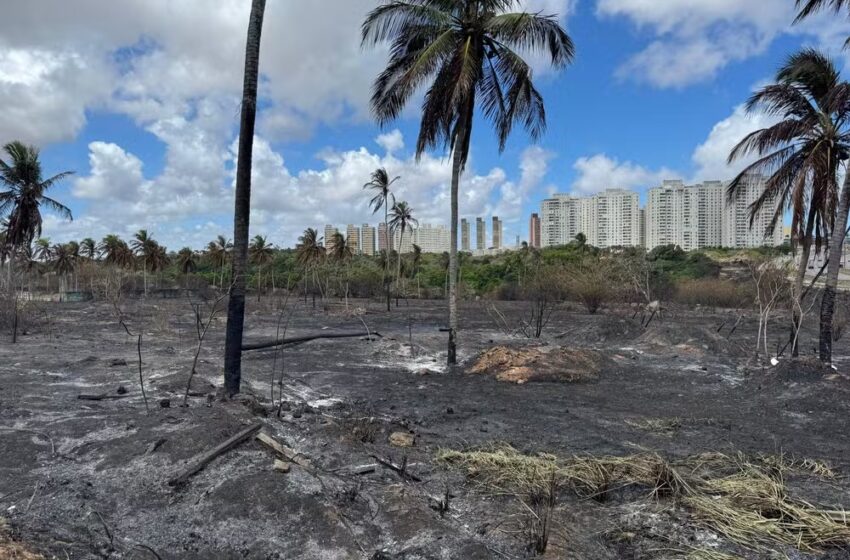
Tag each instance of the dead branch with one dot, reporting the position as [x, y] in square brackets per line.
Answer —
[208, 456]
[401, 470]
[202, 328]
[102, 397]
[301, 339]
[286, 452]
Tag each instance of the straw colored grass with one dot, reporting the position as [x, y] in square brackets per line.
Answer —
[13, 550]
[741, 498]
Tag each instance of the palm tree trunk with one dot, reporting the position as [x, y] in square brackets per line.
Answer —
[398, 271]
[836, 246]
[387, 260]
[460, 147]
[799, 279]
[242, 204]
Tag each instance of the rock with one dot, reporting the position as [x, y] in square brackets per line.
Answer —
[281, 466]
[450, 410]
[401, 439]
[165, 403]
[115, 362]
[297, 413]
[121, 390]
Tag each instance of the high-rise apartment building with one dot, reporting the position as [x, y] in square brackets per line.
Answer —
[608, 219]
[480, 234]
[367, 239]
[352, 238]
[497, 233]
[382, 237]
[430, 239]
[737, 231]
[534, 231]
[330, 231]
[464, 235]
[688, 216]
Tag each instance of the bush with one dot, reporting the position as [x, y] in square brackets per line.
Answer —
[593, 283]
[714, 292]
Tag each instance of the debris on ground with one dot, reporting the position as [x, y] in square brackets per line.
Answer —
[809, 368]
[521, 365]
[13, 550]
[401, 439]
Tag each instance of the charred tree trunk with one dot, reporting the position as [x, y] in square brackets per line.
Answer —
[242, 205]
[836, 246]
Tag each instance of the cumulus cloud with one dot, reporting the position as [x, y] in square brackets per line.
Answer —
[599, 172]
[692, 40]
[391, 141]
[710, 157]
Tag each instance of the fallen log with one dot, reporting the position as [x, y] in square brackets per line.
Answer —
[287, 453]
[102, 397]
[300, 339]
[206, 458]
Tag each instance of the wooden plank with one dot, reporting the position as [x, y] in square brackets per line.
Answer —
[207, 457]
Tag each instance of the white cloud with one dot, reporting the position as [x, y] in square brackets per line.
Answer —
[711, 156]
[599, 172]
[391, 141]
[114, 174]
[694, 39]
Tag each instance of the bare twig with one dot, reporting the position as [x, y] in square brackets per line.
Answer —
[202, 327]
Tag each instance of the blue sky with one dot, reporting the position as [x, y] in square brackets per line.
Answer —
[141, 100]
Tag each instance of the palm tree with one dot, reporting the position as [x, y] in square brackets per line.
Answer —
[63, 263]
[810, 7]
[401, 219]
[144, 246]
[310, 253]
[262, 253]
[380, 184]
[341, 254]
[800, 155]
[186, 263]
[88, 248]
[467, 50]
[218, 252]
[23, 196]
[242, 203]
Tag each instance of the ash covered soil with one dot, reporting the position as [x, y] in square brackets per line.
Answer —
[88, 479]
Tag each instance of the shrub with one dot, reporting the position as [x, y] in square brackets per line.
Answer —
[714, 292]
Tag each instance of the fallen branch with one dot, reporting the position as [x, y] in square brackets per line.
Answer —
[102, 397]
[300, 339]
[401, 470]
[202, 461]
[287, 453]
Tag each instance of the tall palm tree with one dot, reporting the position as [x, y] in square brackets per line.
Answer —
[261, 253]
[88, 248]
[379, 185]
[341, 254]
[145, 247]
[218, 253]
[800, 155]
[401, 219]
[242, 203]
[187, 263]
[310, 253]
[467, 51]
[63, 263]
[23, 195]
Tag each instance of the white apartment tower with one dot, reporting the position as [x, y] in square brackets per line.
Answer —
[687, 216]
[330, 231]
[737, 232]
[497, 233]
[367, 238]
[608, 219]
[352, 238]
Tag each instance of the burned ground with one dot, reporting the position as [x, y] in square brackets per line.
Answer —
[88, 479]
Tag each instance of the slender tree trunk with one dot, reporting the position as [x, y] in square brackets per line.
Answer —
[836, 246]
[145, 276]
[387, 260]
[460, 147]
[800, 278]
[398, 271]
[242, 205]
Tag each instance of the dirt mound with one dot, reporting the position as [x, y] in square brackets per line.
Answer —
[691, 340]
[800, 369]
[521, 365]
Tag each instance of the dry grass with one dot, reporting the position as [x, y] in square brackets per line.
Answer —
[743, 499]
[710, 554]
[12, 550]
[664, 426]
